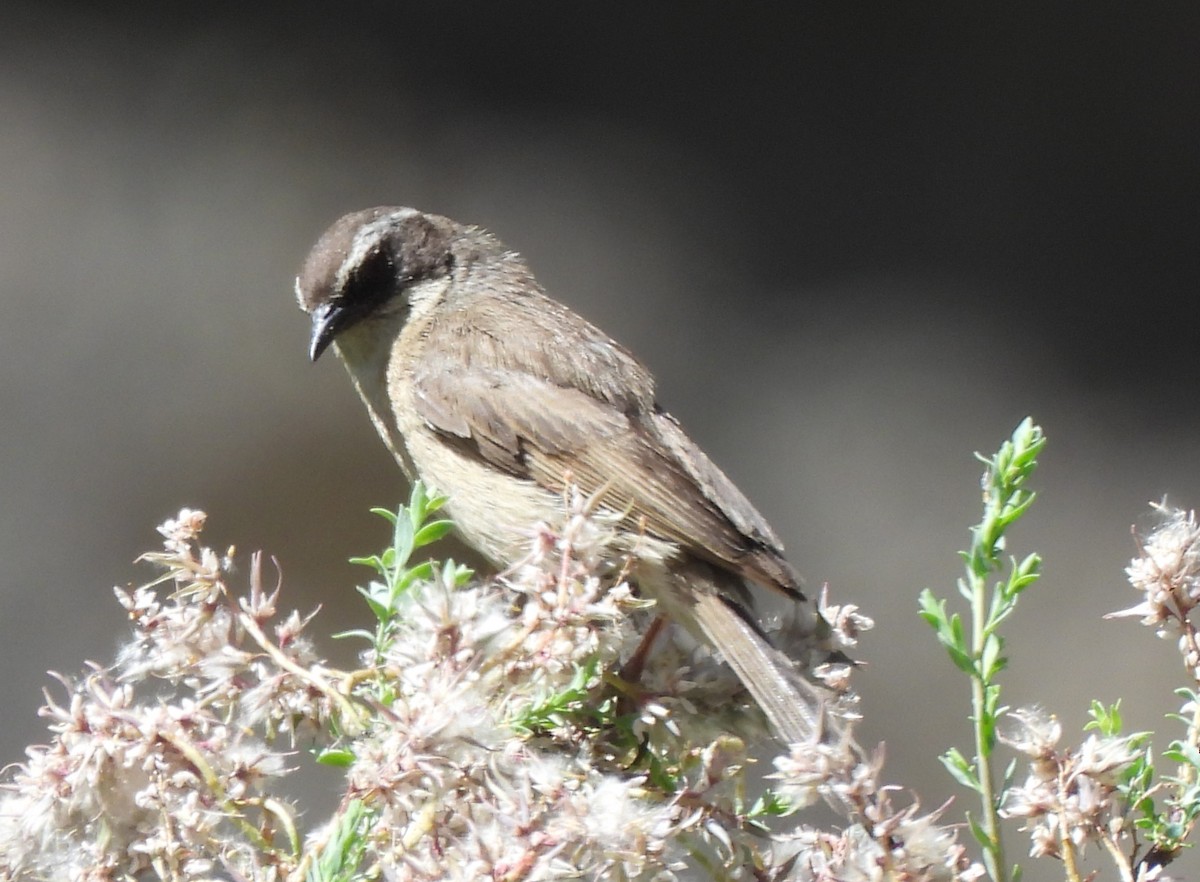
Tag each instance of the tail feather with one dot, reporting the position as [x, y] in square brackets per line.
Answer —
[791, 703]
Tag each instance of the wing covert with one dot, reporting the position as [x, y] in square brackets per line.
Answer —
[534, 428]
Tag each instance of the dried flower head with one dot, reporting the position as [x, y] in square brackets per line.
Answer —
[490, 732]
[1167, 571]
[1069, 795]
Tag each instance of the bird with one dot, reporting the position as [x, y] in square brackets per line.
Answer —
[499, 397]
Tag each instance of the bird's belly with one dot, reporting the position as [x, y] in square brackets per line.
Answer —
[494, 512]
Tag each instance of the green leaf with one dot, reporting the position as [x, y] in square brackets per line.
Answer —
[431, 532]
[932, 610]
[949, 630]
[1009, 772]
[979, 833]
[553, 708]
[379, 608]
[353, 632]
[992, 662]
[420, 573]
[962, 661]
[964, 589]
[336, 757]
[374, 562]
[1104, 719]
[402, 541]
[769, 805]
[1183, 753]
[417, 502]
[955, 642]
[1018, 503]
[960, 769]
[343, 852]
[1026, 573]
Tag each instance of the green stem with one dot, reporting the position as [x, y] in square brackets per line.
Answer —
[994, 853]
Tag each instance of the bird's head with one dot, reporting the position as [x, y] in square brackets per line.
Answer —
[370, 264]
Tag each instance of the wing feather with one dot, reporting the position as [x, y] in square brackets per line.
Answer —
[545, 431]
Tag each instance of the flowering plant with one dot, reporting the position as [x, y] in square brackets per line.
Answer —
[495, 729]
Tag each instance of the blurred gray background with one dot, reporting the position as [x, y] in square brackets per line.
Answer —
[855, 245]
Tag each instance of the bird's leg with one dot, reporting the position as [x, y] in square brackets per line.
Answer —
[631, 671]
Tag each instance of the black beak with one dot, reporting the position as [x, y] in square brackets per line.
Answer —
[327, 321]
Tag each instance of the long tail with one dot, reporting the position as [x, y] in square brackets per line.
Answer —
[791, 703]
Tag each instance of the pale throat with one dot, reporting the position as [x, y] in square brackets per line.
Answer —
[366, 351]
